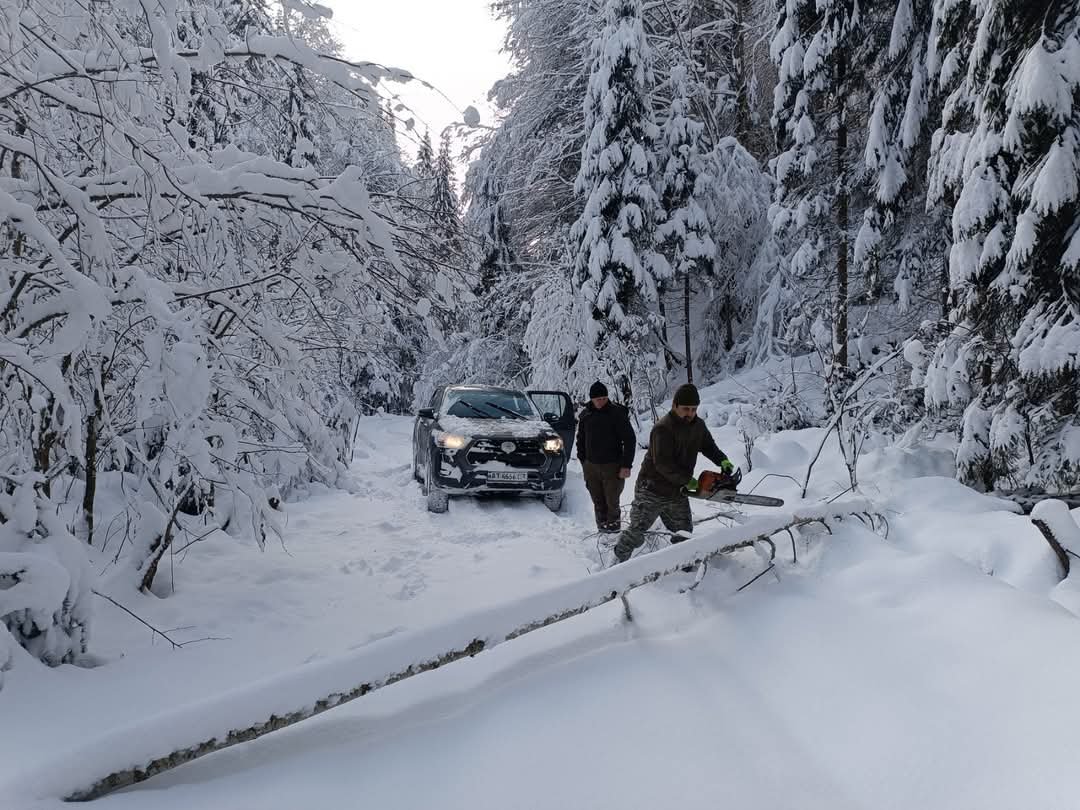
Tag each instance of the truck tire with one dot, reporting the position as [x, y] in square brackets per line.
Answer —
[437, 500]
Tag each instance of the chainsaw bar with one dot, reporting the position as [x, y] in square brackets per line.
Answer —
[731, 496]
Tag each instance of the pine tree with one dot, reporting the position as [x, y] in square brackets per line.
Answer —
[425, 158]
[498, 259]
[444, 202]
[617, 268]
[1008, 154]
[814, 49]
[499, 265]
[685, 233]
[902, 238]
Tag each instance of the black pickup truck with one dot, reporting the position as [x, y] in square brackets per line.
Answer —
[477, 438]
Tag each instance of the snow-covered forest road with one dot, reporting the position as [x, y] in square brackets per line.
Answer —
[235, 253]
[875, 674]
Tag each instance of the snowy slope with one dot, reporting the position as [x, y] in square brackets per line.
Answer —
[873, 674]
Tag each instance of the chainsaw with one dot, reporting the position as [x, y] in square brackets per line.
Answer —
[721, 486]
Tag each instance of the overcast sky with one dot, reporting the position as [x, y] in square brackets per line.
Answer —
[453, 44]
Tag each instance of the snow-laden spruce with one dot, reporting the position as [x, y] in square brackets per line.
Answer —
[903, 234]
[815, 50]
[618, 269]
[685, 233]
[1007, 152]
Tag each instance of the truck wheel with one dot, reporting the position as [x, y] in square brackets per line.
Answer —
[554, 500]
[437, 500]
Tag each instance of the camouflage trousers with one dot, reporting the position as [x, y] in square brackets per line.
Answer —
[673, 511]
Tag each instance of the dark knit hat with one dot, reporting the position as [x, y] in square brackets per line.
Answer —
[597, 389]
[687, 395]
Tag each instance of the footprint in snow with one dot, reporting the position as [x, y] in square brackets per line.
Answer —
[395, 563]
[356, 566]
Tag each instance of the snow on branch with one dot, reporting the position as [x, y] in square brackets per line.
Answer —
[208, 269]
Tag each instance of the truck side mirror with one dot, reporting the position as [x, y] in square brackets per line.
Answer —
[426, 413]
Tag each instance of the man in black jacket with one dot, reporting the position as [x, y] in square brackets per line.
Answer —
[669, 465]
[605, 447]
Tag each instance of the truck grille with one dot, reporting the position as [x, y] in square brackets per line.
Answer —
[526, 453]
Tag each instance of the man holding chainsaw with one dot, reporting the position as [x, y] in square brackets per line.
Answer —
[668, 472]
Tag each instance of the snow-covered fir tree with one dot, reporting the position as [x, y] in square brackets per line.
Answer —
[425, 158]
[814, 50]
[617, 268]
[1007, 158]
[902, 242]
[685, 233]
[743, 264]
[499, 263]
[444, 201]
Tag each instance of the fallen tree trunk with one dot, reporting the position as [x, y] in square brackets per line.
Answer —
[165, 741]
[1053, 519]
[1028, 499]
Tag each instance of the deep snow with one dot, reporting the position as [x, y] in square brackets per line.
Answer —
[875, 673]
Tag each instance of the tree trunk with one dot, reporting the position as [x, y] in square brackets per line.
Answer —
[686, 328]
[162, 544]
[16, 174]
[744, 123]
[47, 435]
[945, 284]
[93, 421]
[840, 316]
[661, 292]
[43, 448]
[729, 323]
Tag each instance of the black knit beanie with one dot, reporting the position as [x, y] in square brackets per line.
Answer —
[598, 389]
[687, 395]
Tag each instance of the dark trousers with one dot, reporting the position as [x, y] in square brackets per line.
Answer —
[673, 511]
[605, 487]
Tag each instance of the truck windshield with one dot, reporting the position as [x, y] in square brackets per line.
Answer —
[488, 404]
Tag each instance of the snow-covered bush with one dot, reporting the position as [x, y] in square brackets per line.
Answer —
[44, 579]
[209, 265]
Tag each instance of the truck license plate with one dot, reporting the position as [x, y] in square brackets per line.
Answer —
[508, 476]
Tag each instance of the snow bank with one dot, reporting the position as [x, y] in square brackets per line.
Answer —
[936, 514]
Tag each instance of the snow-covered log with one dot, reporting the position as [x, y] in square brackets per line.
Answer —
[159, 743]
[1052, 518]
[1029, 499]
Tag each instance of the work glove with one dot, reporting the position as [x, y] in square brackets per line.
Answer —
[727, 467]
[691, 485]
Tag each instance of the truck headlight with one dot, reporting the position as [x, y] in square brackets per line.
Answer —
[450, 441]
[553, 445]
